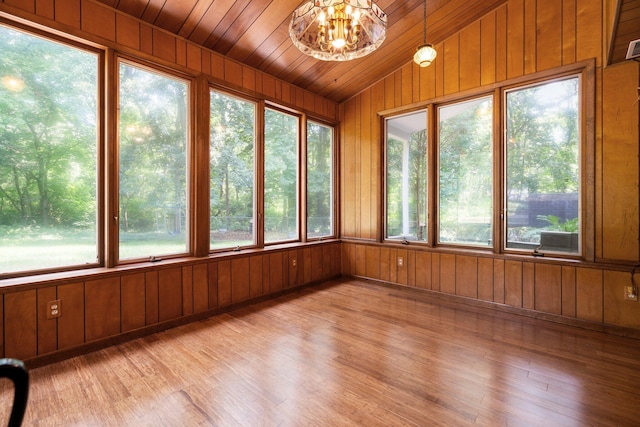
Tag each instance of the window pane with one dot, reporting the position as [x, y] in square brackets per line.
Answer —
[281, 176]
[319, 180]
[466, 173]
[543, 167]
[153, 163]
[231, 151]
[406, 177]
[48, 149]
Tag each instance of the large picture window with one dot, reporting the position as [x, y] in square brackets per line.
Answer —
[543, 167]
[48, 154]
[232, 171]
[465, 187]
[280, 176]
[153, 135]
[406, 177]
[319, 180]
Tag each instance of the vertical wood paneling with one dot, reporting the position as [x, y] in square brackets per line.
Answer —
[385, 264]
[549, 288]
[466, 276]
[316, 262]
[488, 48]
[439, 66]
[588, 35]
[501, 43]
[568, 31]
[233, 74]
[240, 273]
[213, 63]
[393, 266]
[435, 271]
[99, 20]
[275, 272]
[569, 291]
[360, 261]
[448, 273]
[549, 34]
[71, 320]
[402, 269]
[513, 283]
[308, 273]
[515, 38]
[428, 81]
[224, 283]
[47, 328]
[498, 281]
[45, 8]
[181, 52]
[372, 262]
[146, 39]
[127, 31]
[20, 322]
[169, 294]
[530, 36]
[132, 291]
[423, 270]
[528, 285]
[213, 284]
[617, 310]
[589, 294]
[200, 288]
[407, 84]
[451, 77]
[164, 45]
[68, 13]
[326, 261]
[366, 152]
[256, 275]
[470, 56]
[620, 164]
[102, 308]
[411, 268]
[187, 290]
[485, 279]
[29, 6]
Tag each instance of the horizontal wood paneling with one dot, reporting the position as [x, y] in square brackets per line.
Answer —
[99, 309]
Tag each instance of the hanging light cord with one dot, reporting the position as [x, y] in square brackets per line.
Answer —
[424, 35]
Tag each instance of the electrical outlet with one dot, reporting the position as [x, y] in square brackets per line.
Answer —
[630, 294]
[400, 261]
[294, 262]
[53, 309]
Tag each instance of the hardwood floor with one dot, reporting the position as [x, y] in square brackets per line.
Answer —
[347, 353]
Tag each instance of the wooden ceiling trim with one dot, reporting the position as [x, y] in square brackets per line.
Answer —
[194, 18]
[215, 13]
[152, 10]
[241, 26]
[268, 23]
[226, 23]
[134, 8]
[174, 13]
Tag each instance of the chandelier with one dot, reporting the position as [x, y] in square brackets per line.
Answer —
[338, 30]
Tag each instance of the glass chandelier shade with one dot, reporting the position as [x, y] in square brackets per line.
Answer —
[338, 30]
[424, 55]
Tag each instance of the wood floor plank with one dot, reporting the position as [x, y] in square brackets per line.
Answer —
[347, 353]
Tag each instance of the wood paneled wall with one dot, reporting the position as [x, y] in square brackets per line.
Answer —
[520, 38]
[101, 306]
[104, 306]
[107, 27]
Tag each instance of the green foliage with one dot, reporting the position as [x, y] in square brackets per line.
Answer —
[570, 225]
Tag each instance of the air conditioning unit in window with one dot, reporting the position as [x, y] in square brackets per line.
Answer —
[634, 50]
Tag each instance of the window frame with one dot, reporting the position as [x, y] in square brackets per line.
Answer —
[113, 230]
[334, 179]
[101, 55]
[586, 71]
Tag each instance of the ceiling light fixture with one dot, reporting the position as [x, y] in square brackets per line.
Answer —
[338, 30]
[425, 54]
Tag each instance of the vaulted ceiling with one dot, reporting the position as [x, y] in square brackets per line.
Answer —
[626, 28]
[255, 32]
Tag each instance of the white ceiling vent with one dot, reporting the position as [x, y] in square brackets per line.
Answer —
[634, 49]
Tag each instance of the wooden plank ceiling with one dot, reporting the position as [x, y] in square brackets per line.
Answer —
[626, 28]
[256, 33]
